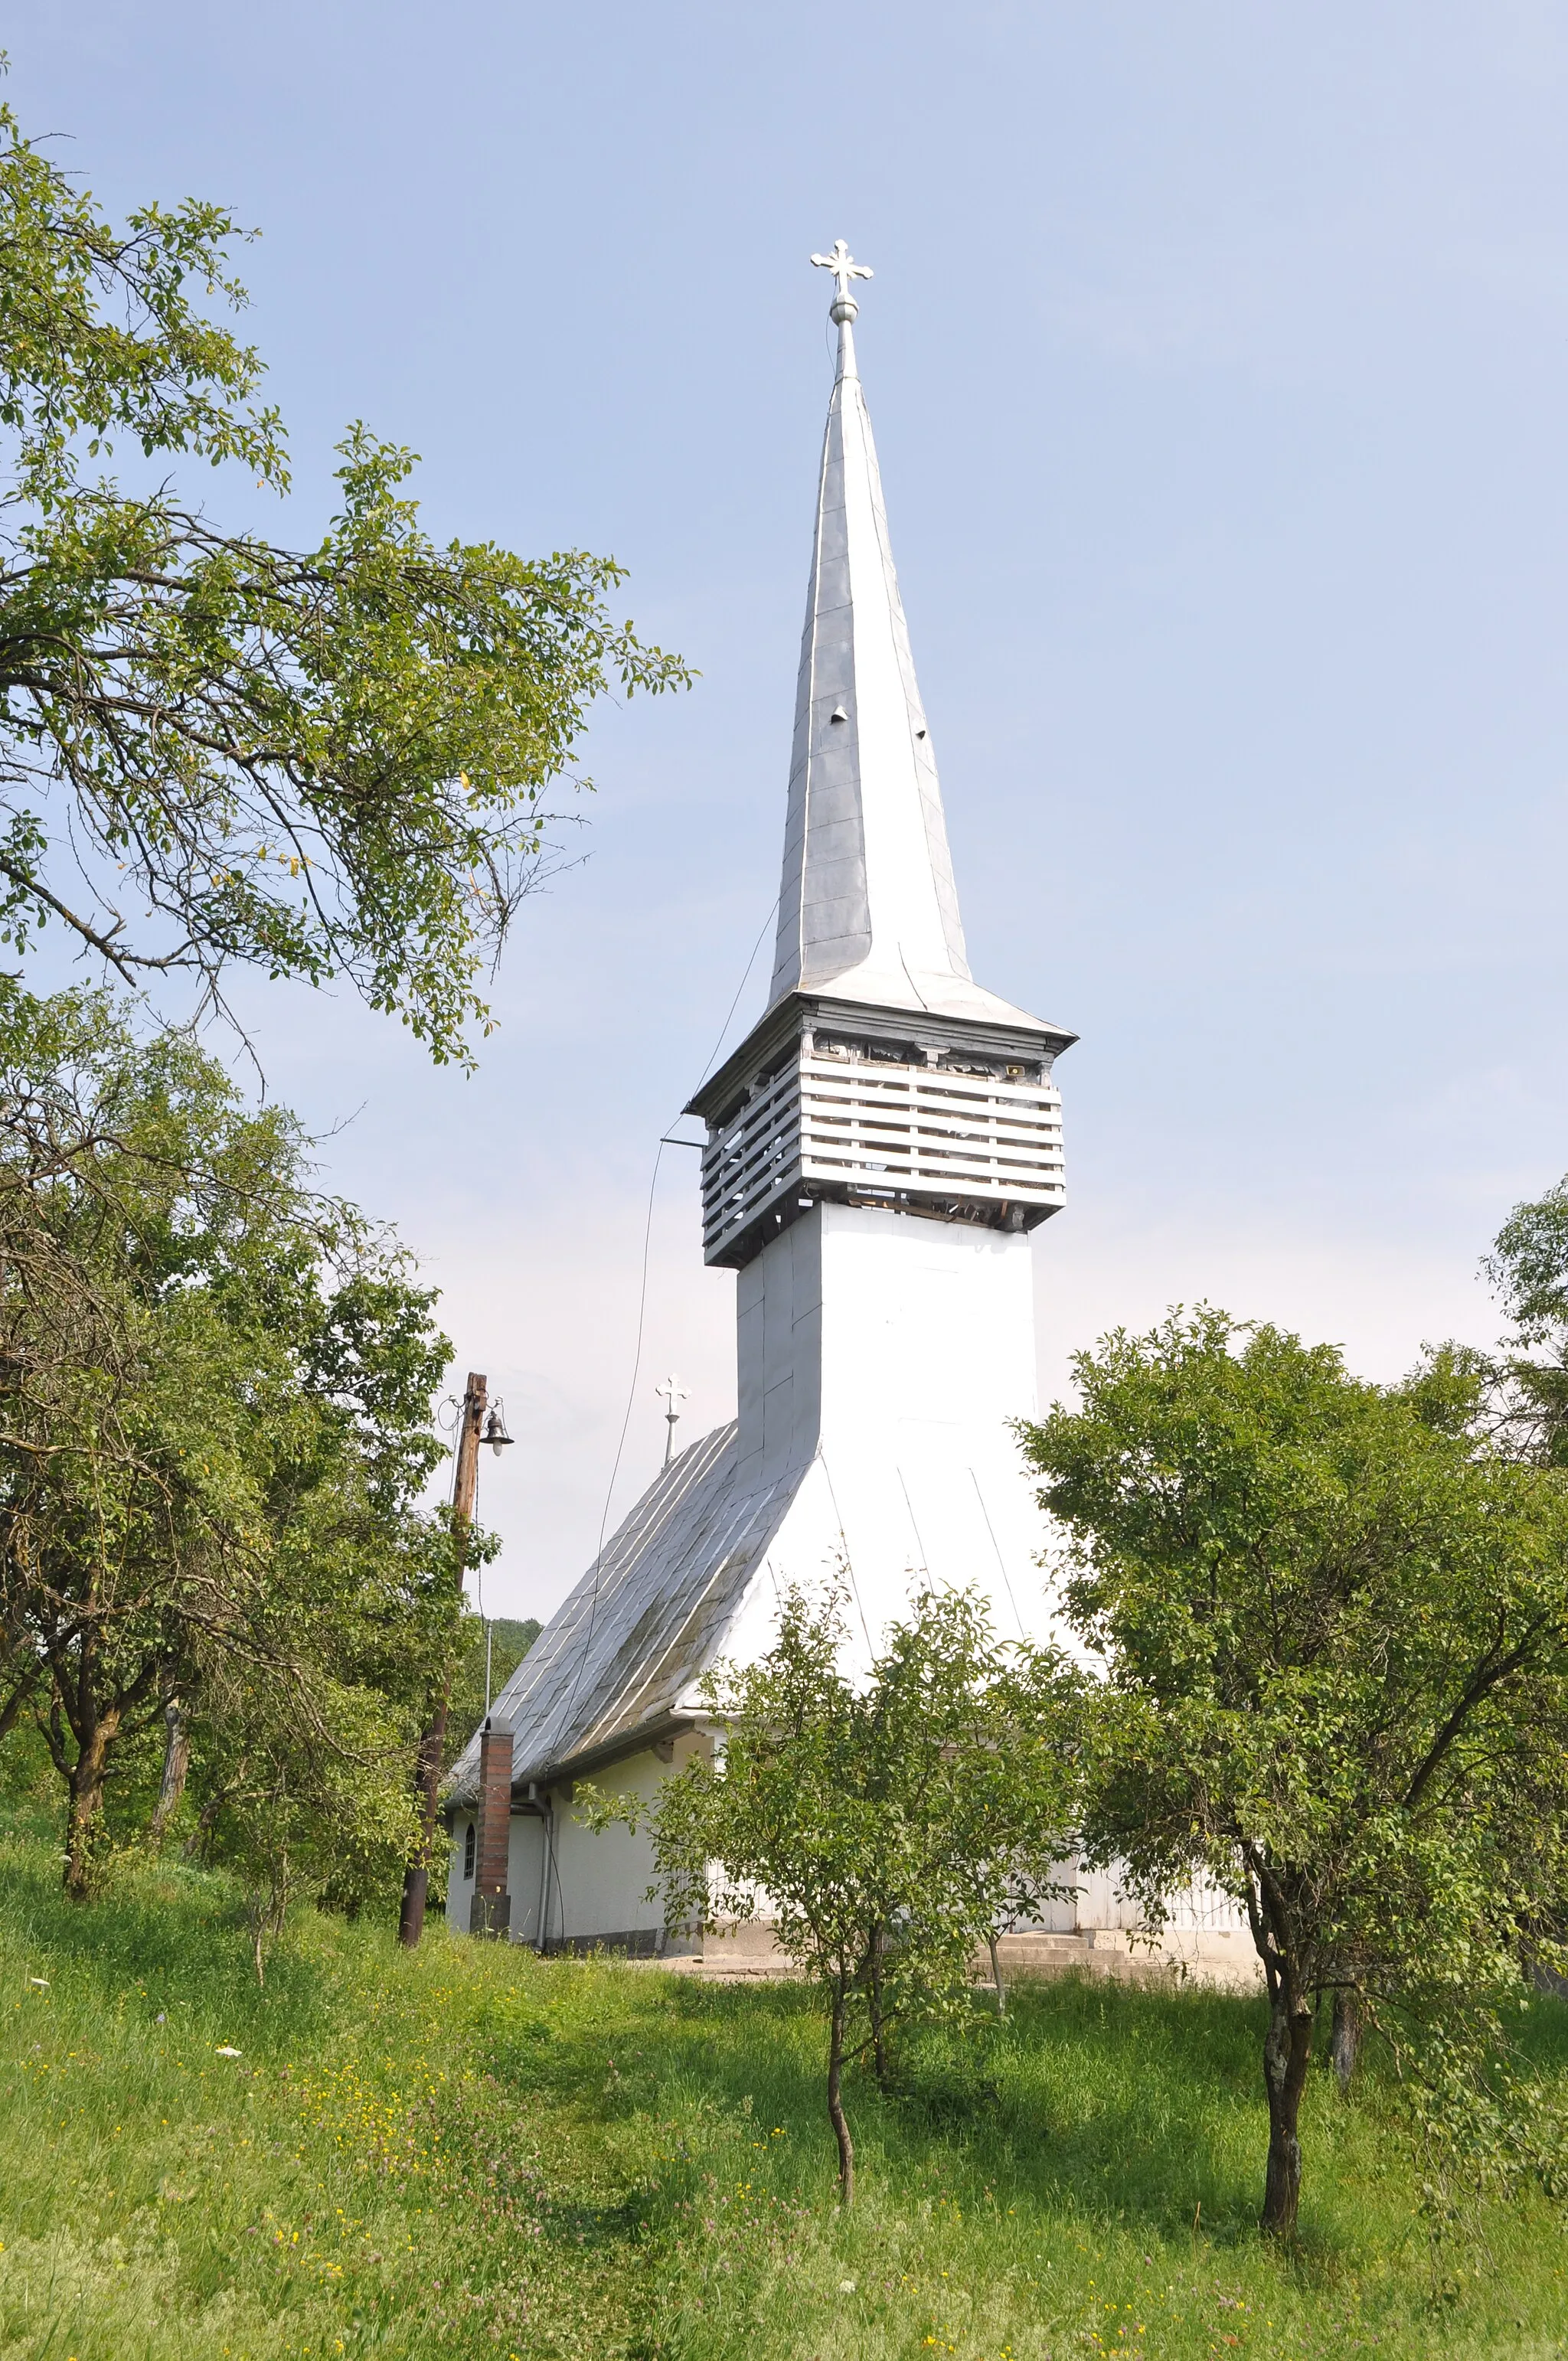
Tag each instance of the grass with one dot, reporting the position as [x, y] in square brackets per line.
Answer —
[470, 2152]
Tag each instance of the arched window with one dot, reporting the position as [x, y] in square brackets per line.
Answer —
[470, 1838]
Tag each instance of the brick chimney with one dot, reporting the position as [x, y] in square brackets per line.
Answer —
[490, 1910]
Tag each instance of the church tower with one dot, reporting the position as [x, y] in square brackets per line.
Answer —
[883, 1141]
[878, 1149]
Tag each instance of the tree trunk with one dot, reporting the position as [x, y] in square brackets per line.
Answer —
[266, 1917]
[176, 1766]
[84, 1824]
[834, 2099]
[996, 1976]
[1287, 2053]
[427, 1785]
[16, 1704]
[1345, 2042]
[879, 2018]
[206, 1820]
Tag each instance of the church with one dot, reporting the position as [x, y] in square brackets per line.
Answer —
[878, 1151]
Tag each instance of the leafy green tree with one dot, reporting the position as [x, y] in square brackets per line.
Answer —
[1335, 1646]
[303, 1743]
[1527, 1393]
[328, 762]
[215, 1423]
[883, 1825]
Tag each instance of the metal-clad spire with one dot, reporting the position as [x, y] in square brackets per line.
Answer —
[868, 909]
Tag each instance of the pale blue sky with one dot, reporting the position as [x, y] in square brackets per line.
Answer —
[1218, 357]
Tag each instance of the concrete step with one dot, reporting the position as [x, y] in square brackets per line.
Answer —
[1213, 1958]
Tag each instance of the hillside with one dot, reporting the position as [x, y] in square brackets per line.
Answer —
[469, 2152]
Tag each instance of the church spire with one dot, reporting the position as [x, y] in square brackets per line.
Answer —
[868, 909]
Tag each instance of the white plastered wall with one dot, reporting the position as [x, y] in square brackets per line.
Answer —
[600, 1881]
[525, 1854]
[884, 1357]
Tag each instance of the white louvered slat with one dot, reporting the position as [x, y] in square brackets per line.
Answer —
[873, 1128]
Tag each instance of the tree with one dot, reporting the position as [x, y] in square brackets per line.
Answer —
[883, 1825]
[321, 762]
[303, 1743]
[1527, 1382]
[1335, 1647]
[215, 1419]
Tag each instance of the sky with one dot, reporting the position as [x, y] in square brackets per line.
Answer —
[1218, 359]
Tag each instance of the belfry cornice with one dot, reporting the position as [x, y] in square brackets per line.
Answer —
[928, 1031]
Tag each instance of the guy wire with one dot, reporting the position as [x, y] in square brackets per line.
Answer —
[553, 1868]
[620, 1446]
[740, 988]
[641, 1320]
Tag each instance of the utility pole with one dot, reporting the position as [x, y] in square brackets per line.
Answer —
[427, 1765]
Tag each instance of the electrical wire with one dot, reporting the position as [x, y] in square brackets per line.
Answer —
[642, 1314]
[745, 980]
[552, 1871]
[620, 1444]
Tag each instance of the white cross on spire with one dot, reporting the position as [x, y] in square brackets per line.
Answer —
[844, 267]
[673, 1393]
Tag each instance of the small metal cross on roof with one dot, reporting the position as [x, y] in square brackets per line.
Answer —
[673, 1393]
[844, 267]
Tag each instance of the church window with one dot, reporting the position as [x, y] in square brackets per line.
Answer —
[470, 1838]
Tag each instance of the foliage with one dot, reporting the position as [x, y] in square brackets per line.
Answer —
[215, 1399]
[321, 763]
[1335, 1642]
[1528, 1381]
[415, 2153]
[886, 1826]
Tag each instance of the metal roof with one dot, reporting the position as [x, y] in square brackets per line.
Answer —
[622, 1653]
[868, 909]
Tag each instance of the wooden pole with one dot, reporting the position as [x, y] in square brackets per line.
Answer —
[432, 1745]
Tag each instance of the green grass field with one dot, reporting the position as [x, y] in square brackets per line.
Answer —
[468, 2152]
